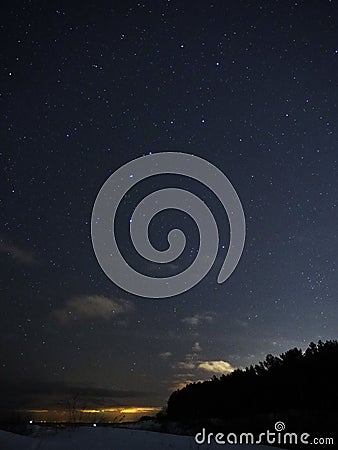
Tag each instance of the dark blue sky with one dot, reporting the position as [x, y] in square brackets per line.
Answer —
[85, 88]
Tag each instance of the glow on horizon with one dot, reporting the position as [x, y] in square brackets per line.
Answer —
[123, 413]
[37, 411]
[123, 410]
[135, 410]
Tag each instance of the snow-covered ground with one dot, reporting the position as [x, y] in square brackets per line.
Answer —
[105, 438]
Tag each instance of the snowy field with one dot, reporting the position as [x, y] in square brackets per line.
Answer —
[104, 438]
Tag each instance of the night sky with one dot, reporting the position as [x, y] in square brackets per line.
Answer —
[85, 87]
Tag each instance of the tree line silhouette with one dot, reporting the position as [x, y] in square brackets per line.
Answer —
[294, 384]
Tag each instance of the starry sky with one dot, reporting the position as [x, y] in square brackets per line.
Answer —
[86, 87]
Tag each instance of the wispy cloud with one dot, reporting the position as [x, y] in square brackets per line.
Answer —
[181, 384]
[187, 365]
[165, 355]
[19, 255]
[198, 319]
[92, 307]
[181, 380]
[196, 347]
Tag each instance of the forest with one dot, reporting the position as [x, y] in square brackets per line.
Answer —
[297, 387]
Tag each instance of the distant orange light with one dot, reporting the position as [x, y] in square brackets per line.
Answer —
[91, 410]
[135, 410]
[38, 411]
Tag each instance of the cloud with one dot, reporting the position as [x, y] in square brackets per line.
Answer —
[196, 347]
[242, 323]
[162, 270]
[186, 365]
[92, 307]
[182, 379]
[183, 376]
[19, 255]
[165, 355]
[34, 393]
[181, 384]
[216, 367]
[198, 319]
